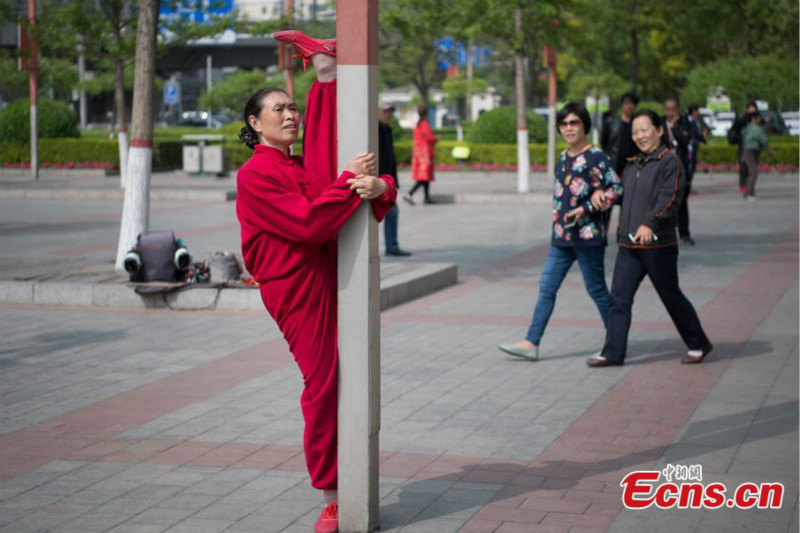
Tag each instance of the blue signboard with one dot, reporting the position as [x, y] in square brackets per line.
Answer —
[194, 10]
[450, 51]
[171, 94]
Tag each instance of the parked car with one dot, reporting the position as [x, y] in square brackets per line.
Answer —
[723, 121]
[200, 118]
[792, 120]
[773, 123]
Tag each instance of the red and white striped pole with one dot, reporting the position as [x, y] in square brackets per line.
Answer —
[359, 273]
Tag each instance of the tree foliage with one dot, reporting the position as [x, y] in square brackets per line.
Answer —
[767, 77]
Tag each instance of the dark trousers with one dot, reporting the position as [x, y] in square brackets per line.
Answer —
[742, 167]
[426, 185]
[390, 229]
[749, 162]
[683, 211]
[661, 266]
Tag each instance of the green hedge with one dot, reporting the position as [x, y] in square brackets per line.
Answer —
[166, 154]
[507, 153]
[169, 154]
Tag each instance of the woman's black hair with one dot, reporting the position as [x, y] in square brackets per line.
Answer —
[652, 115]
[253, 107]
[422, 111]
[655, 120]
[578, 110]
[630, 95]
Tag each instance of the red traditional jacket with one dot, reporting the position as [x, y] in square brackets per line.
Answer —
[422, 159]
[288, 216]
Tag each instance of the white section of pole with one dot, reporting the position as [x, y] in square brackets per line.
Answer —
[523, 162]
[359, 313]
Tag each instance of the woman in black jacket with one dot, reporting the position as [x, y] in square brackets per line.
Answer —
[653, 184]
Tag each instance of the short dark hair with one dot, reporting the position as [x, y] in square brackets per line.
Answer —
[574, 108]
[253, 107]
[751, 103]
[692, 108]
[652, 115]
[630, 95]
[422, 111]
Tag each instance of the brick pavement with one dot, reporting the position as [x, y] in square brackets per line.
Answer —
[130, 421]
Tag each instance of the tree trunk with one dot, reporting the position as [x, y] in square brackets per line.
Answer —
[136, 208]
[523, 154]
[634, 58]
[122, 133]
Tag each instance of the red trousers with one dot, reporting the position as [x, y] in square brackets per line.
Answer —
[310, 326]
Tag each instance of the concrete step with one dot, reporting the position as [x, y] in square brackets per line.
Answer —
[403, 282]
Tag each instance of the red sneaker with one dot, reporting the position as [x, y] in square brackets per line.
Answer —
[328, 521]
[305, 45]
[742, 190]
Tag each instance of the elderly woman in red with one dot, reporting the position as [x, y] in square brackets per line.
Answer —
[290, 209]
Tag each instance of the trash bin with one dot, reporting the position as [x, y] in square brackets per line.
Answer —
[204, 155]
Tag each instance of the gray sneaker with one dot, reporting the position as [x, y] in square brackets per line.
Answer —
[531, 355]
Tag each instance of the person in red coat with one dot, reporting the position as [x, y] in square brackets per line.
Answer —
[422, 159]
[290, 210]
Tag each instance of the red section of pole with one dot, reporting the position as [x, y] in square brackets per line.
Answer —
[356, 19]
[550, 56]
[33, 63]
[287, 58]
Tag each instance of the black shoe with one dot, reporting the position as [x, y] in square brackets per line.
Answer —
[697, 359]
[688, 240]
[429, 201]
[409, 200]
[398, 252]
[598, 361]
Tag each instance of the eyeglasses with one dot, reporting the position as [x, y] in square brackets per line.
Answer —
[566, 123]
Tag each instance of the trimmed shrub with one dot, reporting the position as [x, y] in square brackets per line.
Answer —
[166, 154]
[55, 119]
[499, 126]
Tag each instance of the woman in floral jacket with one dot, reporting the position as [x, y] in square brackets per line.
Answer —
[585, 186]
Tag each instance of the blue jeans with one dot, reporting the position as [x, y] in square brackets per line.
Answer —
[390, 229]
[559, 261]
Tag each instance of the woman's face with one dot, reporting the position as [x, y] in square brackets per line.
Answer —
[646, 136]
[571, 128]
[278, 123]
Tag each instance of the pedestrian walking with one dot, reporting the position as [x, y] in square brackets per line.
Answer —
[616, 135]
[678, 131]
[585, 185]
[735, 137]
[290, 210]
[754, 141]
[699, 134]
[422, 158]
[652, 184]
[387, 164]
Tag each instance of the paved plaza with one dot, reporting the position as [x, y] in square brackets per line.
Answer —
[148, 421]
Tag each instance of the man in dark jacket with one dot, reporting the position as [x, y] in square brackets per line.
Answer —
[387, 164]
[678, 133]
[616, 136]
